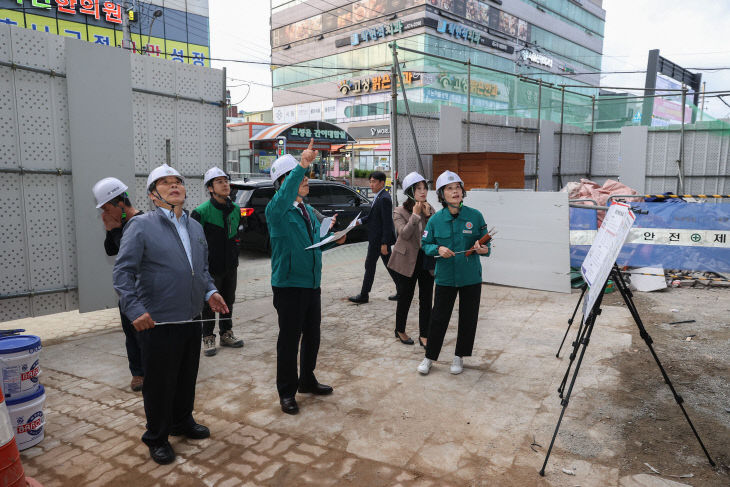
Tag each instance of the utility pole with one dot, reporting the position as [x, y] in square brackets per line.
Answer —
[394, 127]
[126, 33]
[702, 110]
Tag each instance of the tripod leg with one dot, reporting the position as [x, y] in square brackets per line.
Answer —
[584, 341]
[570, 321]
[627, 295]
[576, 344]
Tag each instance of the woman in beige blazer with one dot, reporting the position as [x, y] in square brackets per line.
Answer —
[409, 261]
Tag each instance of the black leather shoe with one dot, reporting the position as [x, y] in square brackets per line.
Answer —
[289, 405]
[196, 432]
[318, 389]
[359, 299]
[408, 341]
[162, 454]
[393, 297]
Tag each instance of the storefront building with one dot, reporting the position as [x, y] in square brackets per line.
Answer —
[332, 61]
[293, 138]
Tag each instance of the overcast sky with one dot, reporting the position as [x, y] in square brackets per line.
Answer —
[692, 34]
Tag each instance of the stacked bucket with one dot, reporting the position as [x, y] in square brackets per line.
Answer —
[23, 392]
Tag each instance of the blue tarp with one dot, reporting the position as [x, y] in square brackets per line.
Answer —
[709, 250]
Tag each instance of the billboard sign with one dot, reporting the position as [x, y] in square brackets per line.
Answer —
[372, 85]
[178, 35]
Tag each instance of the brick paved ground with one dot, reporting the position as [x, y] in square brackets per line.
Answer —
[384, 425]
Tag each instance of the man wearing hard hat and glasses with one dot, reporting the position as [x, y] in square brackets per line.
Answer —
[161, 276]
[295, 278]
[112, 198]
[220, 217]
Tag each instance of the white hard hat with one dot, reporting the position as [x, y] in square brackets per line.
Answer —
[447, 177]
[282, 165]
[161, 172]
[107, 189]
[412, 179]
[212, 173]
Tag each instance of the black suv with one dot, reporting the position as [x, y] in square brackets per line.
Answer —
[326, 197]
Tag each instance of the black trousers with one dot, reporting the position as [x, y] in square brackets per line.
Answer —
[226, 285]
[300, 314]
[406, 289]
[371, 261]
[171, 354]
[134, 347]
[443, 305]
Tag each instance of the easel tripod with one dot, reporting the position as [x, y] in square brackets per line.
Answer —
[581, 343]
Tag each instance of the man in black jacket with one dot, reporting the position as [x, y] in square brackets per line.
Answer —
[220, 218]
[381, 235]
[112, 198]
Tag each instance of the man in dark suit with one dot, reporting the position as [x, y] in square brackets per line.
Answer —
[381, 235]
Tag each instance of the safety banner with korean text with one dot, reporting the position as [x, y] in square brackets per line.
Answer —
[672, 235]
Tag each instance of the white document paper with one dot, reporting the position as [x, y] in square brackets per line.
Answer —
[324, 228]
[337, 235]
[604, 251]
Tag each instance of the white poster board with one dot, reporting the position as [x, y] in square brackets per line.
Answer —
[603, 252]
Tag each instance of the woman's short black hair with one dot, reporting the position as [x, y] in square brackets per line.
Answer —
[377, 175]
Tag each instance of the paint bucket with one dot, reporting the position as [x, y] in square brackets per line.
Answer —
[19, 356]
[26, 416]
[11, 470]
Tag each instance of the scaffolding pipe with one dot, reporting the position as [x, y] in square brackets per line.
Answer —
[468, 106]
[393, 127]
[408, 110]
[560, 146]
[537, 140]
[522, 78]
[593, 133]
[680, 162]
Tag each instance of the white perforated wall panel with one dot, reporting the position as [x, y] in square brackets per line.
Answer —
[38, 238]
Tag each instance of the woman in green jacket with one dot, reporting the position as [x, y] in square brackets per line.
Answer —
[449, 234]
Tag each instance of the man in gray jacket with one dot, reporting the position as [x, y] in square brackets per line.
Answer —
[161, 276]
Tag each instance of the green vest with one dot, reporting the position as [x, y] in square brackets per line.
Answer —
[212, 215]
[457, 234]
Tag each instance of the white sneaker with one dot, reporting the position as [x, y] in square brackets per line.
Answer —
[425, 366]
[457, 366]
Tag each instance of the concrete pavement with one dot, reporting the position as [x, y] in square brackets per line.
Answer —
[384, 425]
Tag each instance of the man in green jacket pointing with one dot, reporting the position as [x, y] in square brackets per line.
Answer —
[295, 278]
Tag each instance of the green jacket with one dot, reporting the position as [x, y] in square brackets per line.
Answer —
[457, 234]
[291, 264]
[220, 224]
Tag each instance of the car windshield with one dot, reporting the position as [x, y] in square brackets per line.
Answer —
[243, 196]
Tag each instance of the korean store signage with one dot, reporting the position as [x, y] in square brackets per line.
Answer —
[372, 85]
[379, 32]
[110, 11]
[370, 132]
[458, 31]
[375, 33]
[533, 57]
[100, 22]
[308, 133]
[460, 84]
